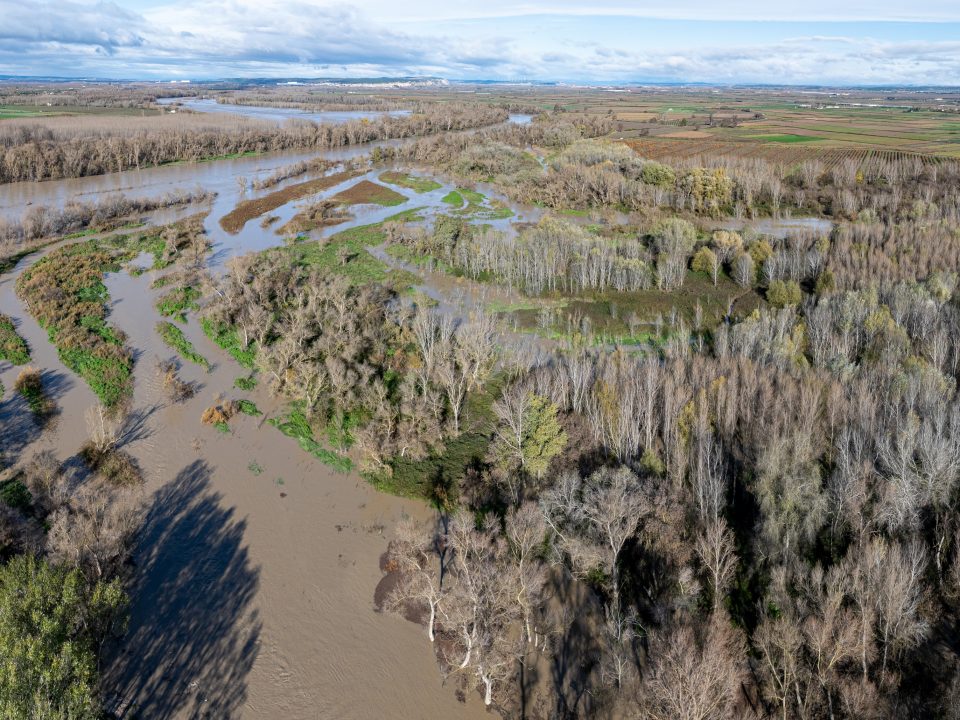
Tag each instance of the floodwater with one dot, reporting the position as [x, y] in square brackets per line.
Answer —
[256, 567]
[279, 115]
[776, 227]
[276, 114]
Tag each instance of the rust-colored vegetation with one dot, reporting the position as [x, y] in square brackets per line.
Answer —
[247, 210]
[369, 193]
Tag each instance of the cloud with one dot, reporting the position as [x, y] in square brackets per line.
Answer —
[277, 38]
[103, 24]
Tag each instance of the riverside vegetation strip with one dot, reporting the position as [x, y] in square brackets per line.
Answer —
[65, 292]
[13, 348]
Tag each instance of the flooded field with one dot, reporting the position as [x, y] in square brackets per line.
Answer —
[207, 105]
[777, 227]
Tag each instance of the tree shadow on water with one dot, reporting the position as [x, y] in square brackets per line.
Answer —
[193, 633]
[18, 427]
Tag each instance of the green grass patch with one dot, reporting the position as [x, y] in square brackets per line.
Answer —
[64, 291]
[228, 339]
[174, 337]
[412, 256]
[80, 234]
[222, 428]
[453, 198]
[345, 254]
[248, 407]
[13, 348]
[472, 196]
[177, 303]
[245, 383]
[212, 158]
[412, 182]
[297, 426]
[254, 468]
[475, 204]
[411, 215]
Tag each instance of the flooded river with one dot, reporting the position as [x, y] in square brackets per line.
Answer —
[257, 564]
[776, 227]
[256, 568]
[277, 114]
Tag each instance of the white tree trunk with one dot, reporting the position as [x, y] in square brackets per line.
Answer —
[488, 692]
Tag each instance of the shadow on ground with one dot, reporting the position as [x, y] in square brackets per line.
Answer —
[193, 632]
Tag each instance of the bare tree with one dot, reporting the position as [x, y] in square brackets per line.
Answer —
[715, 548]
[413, 554]
[103, 427]
[694, 676]
[96, 529]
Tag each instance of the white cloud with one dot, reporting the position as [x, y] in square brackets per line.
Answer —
[217, 38]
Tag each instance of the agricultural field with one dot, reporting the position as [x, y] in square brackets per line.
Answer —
[9, 112]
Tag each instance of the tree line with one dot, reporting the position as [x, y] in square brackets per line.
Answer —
[32, 152]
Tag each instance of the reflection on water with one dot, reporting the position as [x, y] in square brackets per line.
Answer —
[776, 227]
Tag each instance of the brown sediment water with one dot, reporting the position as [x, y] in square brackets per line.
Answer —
[256, 567]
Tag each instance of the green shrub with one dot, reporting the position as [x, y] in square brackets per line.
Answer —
[704, 261]
[437, 477]
[247, 407]
[15, 494]
[13, 348]
[228, 339]
[784, 293]
[29, 384]
[245, 383]
[116, 466]
[174, 337]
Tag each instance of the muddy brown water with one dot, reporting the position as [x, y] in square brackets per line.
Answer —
[256, 567]
[253, 589]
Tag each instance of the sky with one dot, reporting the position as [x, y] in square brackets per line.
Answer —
[814, 42]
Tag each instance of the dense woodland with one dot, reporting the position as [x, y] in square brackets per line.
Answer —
[765, 512]
[758, 518]
[769, 521]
